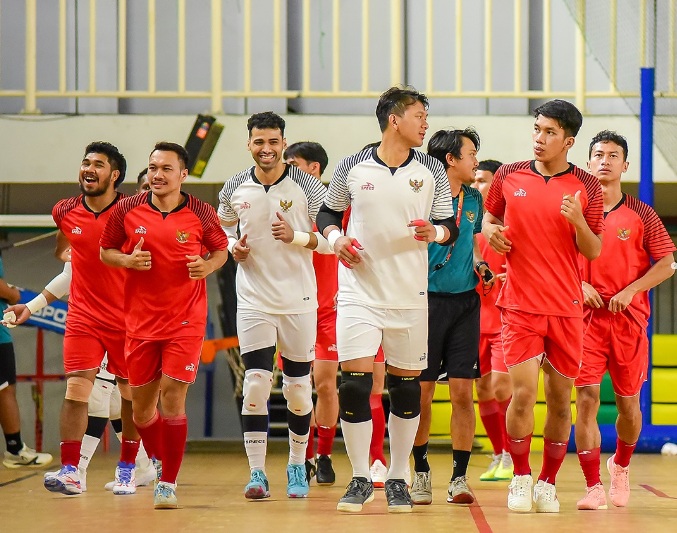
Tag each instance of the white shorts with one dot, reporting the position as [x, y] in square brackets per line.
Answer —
[294, 335]
[403, 333]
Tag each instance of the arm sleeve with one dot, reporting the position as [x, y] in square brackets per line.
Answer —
[61, 284]
[328, 217]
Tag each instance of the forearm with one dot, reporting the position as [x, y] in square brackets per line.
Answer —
[114, 258]
[231, 233]
[328, 220]
[217, 259]
[589, 244]
[8, 293]
[658, 273]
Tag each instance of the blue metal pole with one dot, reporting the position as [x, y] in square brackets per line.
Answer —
[646, 194]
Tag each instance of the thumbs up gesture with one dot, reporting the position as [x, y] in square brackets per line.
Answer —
[139, 258]
[281, 229]
[241, 250]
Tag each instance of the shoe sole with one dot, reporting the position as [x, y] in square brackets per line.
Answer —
[591, 508]
[461, 499]
[426, 501]
[166, 506]
[520, 509]
[400, 508]
[53, 485]
[123, 492]
[346, 507]
[296, 495]
[546, 510]
[256, 493]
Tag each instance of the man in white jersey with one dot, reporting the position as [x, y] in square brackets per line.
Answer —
[276, 293]
[394, 193]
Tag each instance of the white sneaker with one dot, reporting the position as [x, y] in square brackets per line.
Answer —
[83, 478]
[519, 493]
[379, 474]
[26, 457]
[125, 479]
[545, 497]
[407, 475]
[145, 475]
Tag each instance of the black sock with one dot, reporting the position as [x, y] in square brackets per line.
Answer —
[461, 459]
[421, 458]
[14, 442]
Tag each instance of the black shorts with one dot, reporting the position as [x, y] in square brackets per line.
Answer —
[7, 364]
[453, 336]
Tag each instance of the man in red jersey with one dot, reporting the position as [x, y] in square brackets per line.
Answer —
[541, 214]
[493, 388]
[617, 309]
[159, 238]
[95, 316]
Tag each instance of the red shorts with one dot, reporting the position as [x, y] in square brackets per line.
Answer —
[325, 343]
[176, 358]
[617, 343]
[556, 338]
[84, 350]
[491, 354]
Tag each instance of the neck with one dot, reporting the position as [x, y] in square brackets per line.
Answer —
[611, 194]
[550, 168]
[393, 152]
[455, 185]
[167, 202]
[268, 177]
[99, 203]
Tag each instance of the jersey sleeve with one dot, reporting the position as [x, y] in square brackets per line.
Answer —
[338, 195]
[213, 237]
[62, 208]
[657, 241]
[495, 199]
[113, 236]
[480, 211]
[226, 211]
[594, 211]
[314, 190]
[442, 206]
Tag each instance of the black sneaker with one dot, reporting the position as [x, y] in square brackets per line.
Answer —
[325, 473]
[310, 470]
[398, 497]
[359, 491]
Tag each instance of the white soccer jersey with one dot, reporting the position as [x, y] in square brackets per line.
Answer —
[276, 278]
[393, 272]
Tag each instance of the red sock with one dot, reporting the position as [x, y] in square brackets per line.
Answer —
[70, 452]
[128, 451]
[491, 419]
[310, 447]
[623, 452]
[519, 451]
[502, 410]
[589, 460]
[174, 433]
[325, 439]
[378, 420]
[553, 457]
[151, 435]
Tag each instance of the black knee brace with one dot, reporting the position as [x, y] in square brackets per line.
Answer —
[405, 395]
[354, 394]
[261, 359]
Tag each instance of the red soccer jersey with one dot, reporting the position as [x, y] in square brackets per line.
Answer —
[634, 238]
[542, 266]
[96, 289]
[163, 302]
[490, 315]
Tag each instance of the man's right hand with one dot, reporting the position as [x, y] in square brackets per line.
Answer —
[21, 311]
[591, 297]
[495, 236]
[241, 250]
[346, 249]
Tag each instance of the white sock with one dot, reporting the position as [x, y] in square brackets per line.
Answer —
[357, 437]
[297, 448]
[142, 459]
[402, 432]
[87, 449]
[255, 444]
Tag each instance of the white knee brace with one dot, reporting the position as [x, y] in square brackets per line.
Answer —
[115, 404]
[299, 394]
[99, 400]
[256, 391]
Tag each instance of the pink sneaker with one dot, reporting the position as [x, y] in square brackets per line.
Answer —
[593, 500]
[619, 492]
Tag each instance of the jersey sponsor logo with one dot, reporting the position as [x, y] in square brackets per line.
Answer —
[623, 233]
[190, 367]
[77, 230]
[416, 185]
[470, 215]
[141, 230]
[520, 192]
[182, 236]
[332, 348]
[286, 205]
[245, 205]
[368, 186]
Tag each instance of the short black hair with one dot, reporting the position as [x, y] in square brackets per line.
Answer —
[395, 101]
[490, 165]
[609, 136]
[266, 121]
[141, 175]
[115, 158]
[310, 151]
[445, 142]
[565, 113]
[180, 151]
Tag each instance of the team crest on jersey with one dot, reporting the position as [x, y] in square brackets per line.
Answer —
[367, 187]
[182, 236]
[623, 234]
[286, 205]
[76, 230]
[416, 185]
[470, 215]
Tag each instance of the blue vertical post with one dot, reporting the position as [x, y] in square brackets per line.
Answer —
[208, 370]
[646, 194]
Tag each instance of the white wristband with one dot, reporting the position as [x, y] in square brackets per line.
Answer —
[231, 242]
[439, 233]
[333, 237]
[37, 303]
[301, 238]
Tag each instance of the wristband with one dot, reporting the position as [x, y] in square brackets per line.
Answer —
[333, 237]
[480, 263]
[231, 242]
[301, 238]
[37, 303]
[439, 233]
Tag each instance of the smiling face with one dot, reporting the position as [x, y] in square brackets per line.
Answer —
[96, 175]
[550, 141]
[412, 124]
[266, 147]
[607, 162]
[165, 174]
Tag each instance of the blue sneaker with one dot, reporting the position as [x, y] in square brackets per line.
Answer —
[66, 481]
[165, 496]
[257, 488]
[125, 479]
[297, 483]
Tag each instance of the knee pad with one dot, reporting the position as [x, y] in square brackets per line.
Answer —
[98, 405]
[125, 390]
[115, 404]
[261, 359]
[405, 395]
[298, 392]
[354, 393]
[78, 389]
[256, 391]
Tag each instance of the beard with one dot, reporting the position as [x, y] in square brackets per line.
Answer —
[100, 190]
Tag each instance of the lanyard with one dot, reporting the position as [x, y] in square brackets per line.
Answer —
[459, 211]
